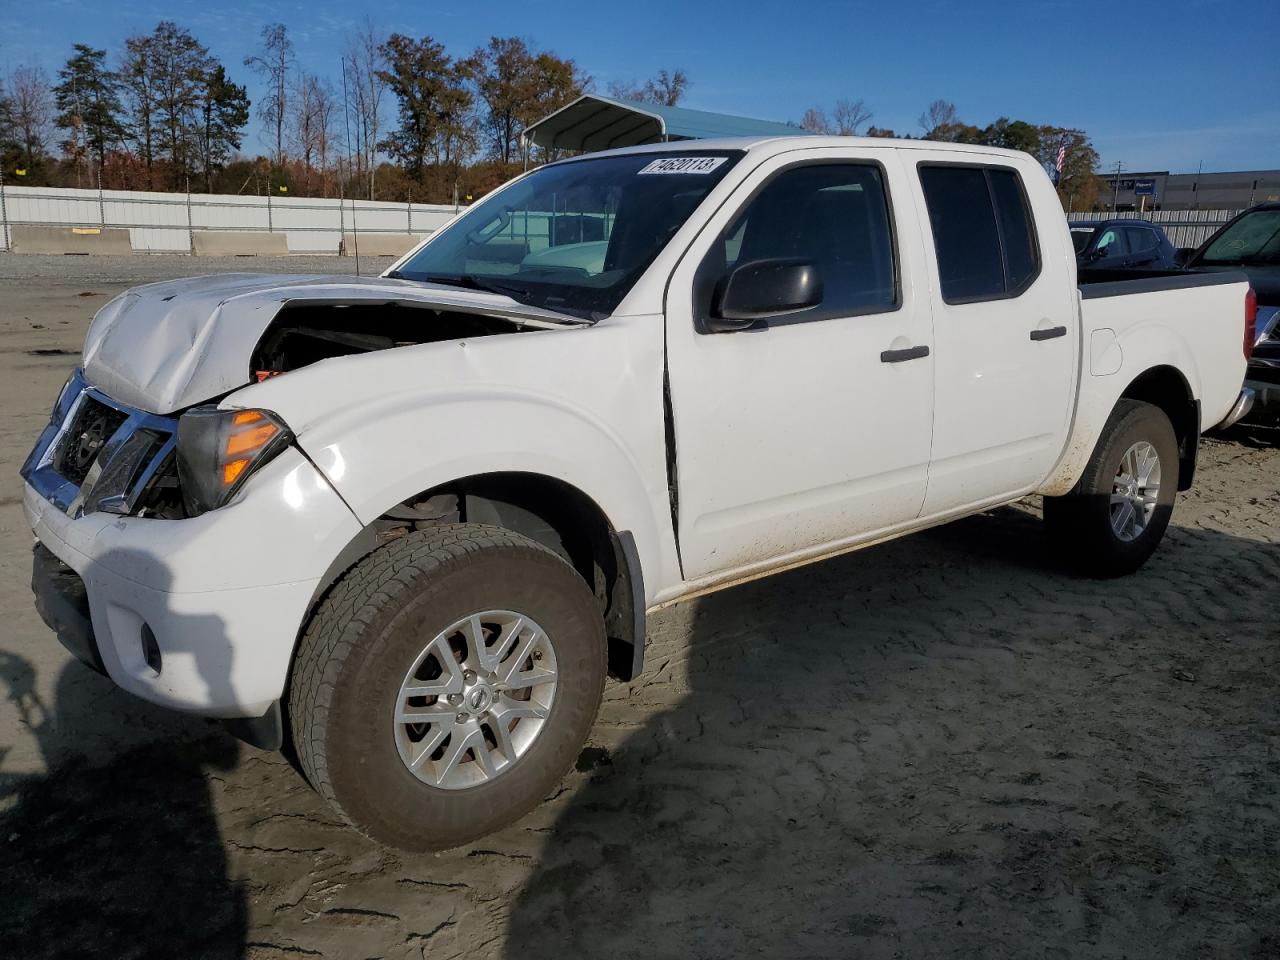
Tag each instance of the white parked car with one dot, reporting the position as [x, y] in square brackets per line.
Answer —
[411, 521]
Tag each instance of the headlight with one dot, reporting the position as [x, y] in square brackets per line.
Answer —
[67, 396]
[219, 449]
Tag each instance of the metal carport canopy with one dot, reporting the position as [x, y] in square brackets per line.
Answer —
[593, 122]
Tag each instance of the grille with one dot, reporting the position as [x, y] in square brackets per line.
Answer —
[93, 426]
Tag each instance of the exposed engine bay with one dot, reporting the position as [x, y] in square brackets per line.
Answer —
[304, 333]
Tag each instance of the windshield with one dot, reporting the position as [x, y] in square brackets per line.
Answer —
[1080, 237]
[1254, 238]
[573, 237]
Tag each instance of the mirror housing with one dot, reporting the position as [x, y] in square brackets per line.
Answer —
[760, 289]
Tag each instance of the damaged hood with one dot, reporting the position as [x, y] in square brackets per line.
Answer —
[165, 346]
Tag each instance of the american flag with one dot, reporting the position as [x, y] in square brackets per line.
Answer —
[1062, 156]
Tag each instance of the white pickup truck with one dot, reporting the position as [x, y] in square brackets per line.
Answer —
[409, 523]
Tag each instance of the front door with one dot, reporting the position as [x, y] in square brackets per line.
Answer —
[814, 427]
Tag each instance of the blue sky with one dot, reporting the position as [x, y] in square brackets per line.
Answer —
[1157, 86]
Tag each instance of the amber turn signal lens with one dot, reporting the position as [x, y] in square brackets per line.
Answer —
[219, 449]
[247, 441]
[231, 472]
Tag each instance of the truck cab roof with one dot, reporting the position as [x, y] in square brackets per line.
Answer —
[773, 145]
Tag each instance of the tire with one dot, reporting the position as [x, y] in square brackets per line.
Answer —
[1080, 524]
[362, 647]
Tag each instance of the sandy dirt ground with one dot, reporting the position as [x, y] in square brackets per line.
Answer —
[941, 747]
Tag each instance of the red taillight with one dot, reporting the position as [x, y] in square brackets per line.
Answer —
[1250, 322]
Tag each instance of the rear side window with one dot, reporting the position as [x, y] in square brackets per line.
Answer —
[1017, 232]
[983, 233]
[1140, 240]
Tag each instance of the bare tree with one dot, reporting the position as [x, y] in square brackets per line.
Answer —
[845, 120]
[30, 112]
[273, 65]
[365, 91]
[324, 109]
[140, 82]
[849, 116]
[311, 129]
[6, 120]
[939, 115]
[815, 121]
[667, 88]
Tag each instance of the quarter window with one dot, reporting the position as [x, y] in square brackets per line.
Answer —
[983, 233]
[1141, 240]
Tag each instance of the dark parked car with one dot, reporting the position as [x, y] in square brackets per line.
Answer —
[1251, 244]
[1116, 244]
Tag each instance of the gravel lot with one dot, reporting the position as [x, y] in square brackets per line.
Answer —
[939, 747]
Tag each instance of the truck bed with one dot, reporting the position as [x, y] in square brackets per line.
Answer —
[1116, 283]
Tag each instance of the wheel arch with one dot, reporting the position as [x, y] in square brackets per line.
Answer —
[545, 509]
[1166, 387]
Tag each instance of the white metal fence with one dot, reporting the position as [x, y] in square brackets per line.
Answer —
[164, 222]
[1186, 228]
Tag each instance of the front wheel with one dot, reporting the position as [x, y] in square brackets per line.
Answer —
[1117, 514]
[446, 683]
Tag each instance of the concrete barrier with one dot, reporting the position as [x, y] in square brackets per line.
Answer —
[242, 243]
[380, 244]
[78, 240]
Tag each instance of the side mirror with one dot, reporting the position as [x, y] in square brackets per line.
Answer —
[1097, 254]
[760, 289]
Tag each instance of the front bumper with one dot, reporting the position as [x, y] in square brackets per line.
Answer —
[216, 600]
[63, 605]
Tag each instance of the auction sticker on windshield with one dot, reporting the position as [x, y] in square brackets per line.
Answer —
[683, 165]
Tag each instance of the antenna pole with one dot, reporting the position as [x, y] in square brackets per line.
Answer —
[346, 116]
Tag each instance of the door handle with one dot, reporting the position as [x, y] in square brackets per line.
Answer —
[1048, 333]
[898, 356]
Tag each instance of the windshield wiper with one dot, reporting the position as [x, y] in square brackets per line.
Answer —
[470, 281]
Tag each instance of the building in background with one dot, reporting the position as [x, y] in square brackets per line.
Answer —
[1161, 190]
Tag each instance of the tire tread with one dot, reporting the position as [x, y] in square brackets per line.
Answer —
[351, 606]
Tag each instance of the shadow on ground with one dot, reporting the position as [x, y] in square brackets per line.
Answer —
[118, 859]
[943, 747]
[115, 852]
[939, 747]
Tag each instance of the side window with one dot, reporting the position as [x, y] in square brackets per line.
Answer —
[834, 215]
[983, 233]
[1017, 232]
[1141, 240]
[1112, 244]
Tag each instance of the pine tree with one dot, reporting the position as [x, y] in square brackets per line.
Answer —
[224, 110]
[88, 102]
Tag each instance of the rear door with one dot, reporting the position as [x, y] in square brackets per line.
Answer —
[814, 427]
[1005, 330]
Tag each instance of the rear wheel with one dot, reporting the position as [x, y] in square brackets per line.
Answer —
[1117, 515]
[446, 684]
